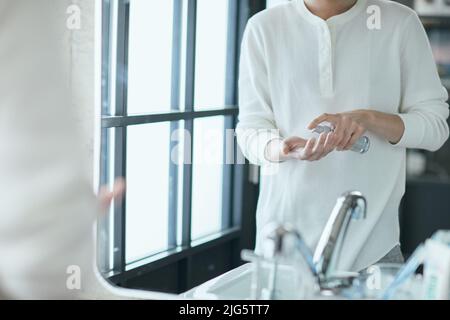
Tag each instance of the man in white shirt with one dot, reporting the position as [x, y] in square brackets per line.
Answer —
[313, 61]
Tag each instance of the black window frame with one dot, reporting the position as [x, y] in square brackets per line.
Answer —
[234, 224]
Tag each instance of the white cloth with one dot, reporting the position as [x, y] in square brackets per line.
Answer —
[294, 67]
[47, 208]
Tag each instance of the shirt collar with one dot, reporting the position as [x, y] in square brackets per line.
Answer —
[338, 19]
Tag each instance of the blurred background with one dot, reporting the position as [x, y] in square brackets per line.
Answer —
[426, 205]
[171, 66]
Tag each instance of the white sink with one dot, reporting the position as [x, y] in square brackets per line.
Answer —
[236, 285]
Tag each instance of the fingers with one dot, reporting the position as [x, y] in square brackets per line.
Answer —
[357, 133]
[308, 151]
[344, 131]
[339, 135]
[292, 144]
[326, 117]
[119, 188]
[105, 196]
[344, 136]
[318, 149]
[349, 133]
[329, 143]
[345, 139]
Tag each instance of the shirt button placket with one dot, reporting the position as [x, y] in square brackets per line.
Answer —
[326, 61]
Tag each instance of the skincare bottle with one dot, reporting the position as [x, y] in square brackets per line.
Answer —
[361, 146]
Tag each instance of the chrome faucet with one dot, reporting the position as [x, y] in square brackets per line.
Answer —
[323, 264]
[351, 205]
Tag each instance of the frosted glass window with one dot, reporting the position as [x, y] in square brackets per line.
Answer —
[211, 53]
[148, 159]
[207, 178]
[150, 56]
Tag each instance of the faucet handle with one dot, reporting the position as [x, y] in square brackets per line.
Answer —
[275, 236]
[284, 241]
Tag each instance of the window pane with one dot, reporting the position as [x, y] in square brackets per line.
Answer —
[109, 57]
[105, 231]
[150, 56]
[212, 23]
[148, 158]
[207, 176]
[179, 156]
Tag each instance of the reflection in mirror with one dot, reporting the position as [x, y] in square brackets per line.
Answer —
[171, 76]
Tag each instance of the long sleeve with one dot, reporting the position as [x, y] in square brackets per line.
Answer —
[423, 109]
[256, 119]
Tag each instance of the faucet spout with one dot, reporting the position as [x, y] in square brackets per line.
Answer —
[351, 205]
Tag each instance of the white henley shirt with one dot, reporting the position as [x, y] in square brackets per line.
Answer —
[296, 66]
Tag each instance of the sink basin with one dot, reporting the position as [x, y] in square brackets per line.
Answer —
[236, 285]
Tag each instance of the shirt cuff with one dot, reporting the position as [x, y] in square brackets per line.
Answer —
[414, 130]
